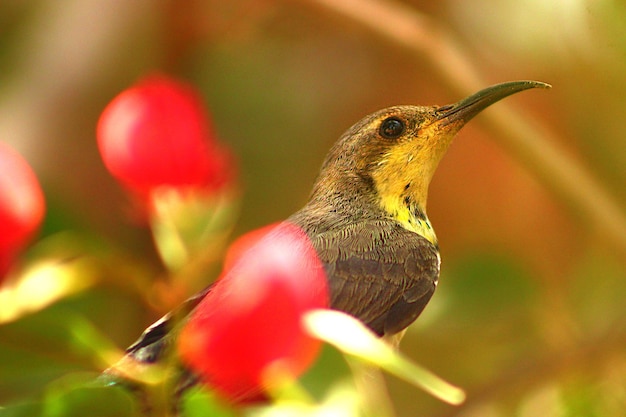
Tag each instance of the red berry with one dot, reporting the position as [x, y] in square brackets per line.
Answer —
[245, 242]
[158, 133]
[22, 205]
[252, 317]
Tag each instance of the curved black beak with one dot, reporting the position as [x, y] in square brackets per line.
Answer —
[466, 109]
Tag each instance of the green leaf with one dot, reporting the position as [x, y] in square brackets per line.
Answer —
[76, 395]
[202, 403]
[352, 337]
[44, 283]
[90, 401]
[191, 227]
[28, 409]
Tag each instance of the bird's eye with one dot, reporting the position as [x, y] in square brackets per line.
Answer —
[391, 128]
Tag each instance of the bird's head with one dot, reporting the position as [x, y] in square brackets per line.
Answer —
[390, 156]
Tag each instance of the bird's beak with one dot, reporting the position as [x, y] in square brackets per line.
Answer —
[460, 113]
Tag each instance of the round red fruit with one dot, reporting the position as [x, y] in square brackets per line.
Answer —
[22, 205]
[252, 318]
[158, 133]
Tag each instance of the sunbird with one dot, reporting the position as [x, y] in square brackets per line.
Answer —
[366, 217]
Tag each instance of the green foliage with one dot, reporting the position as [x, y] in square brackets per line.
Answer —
[484, 285]
[72, 396]
[201, 403]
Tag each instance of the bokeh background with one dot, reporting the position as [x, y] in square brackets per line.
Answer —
[529, 316]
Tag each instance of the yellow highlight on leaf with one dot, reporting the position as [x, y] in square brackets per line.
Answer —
[42, 285]
[352, 337]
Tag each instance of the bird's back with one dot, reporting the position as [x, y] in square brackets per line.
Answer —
[378, 271]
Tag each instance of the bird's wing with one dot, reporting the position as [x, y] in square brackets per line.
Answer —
[378, 272]
[151, 347]
[151, 344]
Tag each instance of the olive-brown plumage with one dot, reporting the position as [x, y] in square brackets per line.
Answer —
[378, 271]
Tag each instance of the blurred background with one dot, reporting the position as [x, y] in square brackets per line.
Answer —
[529, 316]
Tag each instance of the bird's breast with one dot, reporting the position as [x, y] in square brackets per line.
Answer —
[411, 217]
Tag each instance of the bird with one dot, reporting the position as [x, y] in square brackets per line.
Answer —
[366, 218]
